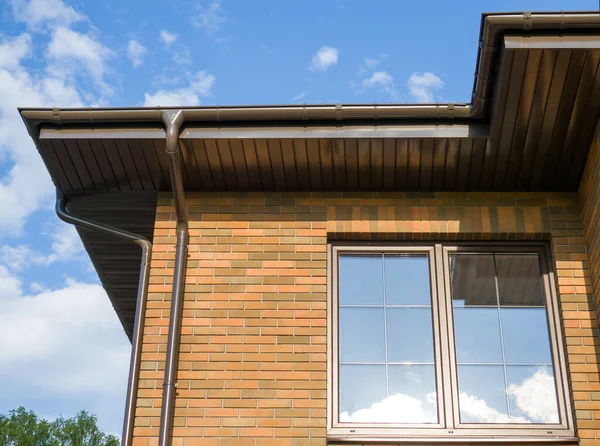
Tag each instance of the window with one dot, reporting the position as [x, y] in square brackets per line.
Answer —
[445, 340]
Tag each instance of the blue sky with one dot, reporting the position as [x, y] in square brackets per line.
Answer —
[62, 348]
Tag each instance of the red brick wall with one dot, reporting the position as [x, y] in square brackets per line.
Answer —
[252, 367]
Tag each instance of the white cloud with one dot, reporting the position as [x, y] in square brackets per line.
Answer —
[224, 40]
[36, 287]
[422, 85]
[62, 343]
[372, 62]
[200, 86]
[16, 258]
[381, 80]
[26, 185]
[36, 13]
[69, 51]
[182, 55]
[324, 58]
[299, 96]
[136, 52]
[66, 246]
[209, 17]
[10, 285]
[13, 50]
[167, 38]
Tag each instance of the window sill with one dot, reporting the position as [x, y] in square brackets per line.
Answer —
[341, 435]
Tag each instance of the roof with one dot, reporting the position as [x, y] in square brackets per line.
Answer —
[534, 111]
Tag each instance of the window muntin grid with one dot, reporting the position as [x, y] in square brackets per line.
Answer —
[501, 332]
[383, 378]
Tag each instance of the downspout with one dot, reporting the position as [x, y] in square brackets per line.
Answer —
[140, 308]
[173, 120]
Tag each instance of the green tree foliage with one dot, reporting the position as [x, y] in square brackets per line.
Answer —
[23, 428]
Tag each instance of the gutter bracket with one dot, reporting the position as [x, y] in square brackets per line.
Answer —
[56, 115]
[339, 112]
[451, 111]
[527, 21]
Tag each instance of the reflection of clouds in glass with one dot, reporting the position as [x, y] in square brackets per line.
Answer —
[478, 409]
[414, 377]
[396, 408]
[536, 397]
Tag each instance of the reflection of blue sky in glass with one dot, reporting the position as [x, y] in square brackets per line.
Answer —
[361, 280]
[409, 334]
[526, 338]
[362, 335]
[477, 335]
[407, 280]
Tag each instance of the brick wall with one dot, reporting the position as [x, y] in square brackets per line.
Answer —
[252, 367]
[590, 200]
[589, 194]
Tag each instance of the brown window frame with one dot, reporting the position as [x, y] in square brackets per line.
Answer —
[448, 427]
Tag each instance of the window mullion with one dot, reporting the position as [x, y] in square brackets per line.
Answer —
[385, 334]
[444, 358]
[501, 336]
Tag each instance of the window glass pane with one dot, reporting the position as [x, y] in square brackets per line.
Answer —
[412, 395]
[360, 280]
[472, 280]
[532, 394]
[362, 390]
[525, 333]
[409, 335]
[362, 335]
[519, 279]
[407, 280]
[482, 397]
[477, 335]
